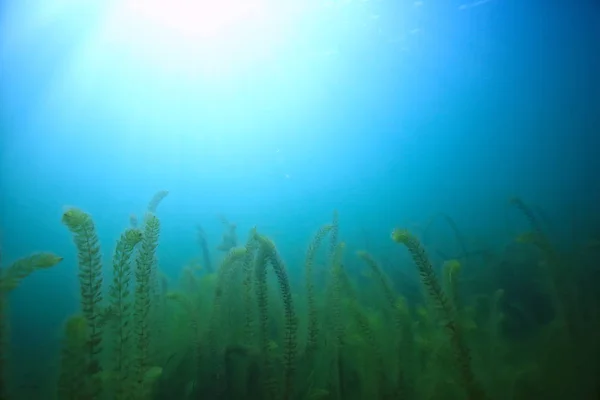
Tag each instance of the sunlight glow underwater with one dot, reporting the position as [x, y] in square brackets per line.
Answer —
[190, 37]
[132, 58]
[205, 36]
[202, 70]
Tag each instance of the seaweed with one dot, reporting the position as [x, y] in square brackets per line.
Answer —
[85, 237]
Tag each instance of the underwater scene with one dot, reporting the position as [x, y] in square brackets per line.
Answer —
[299, 200]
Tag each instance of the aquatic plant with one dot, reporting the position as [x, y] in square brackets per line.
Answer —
[156, 200]
[119, 292]
[247, 280]
[364, 328]
[253, 329]
[313, 319]
[145, 263]
[267, 254]
[457, 233]
[445, 310]
[85, 237]
[224, 273]
[73, 377]
[397, 315]
[10, 278]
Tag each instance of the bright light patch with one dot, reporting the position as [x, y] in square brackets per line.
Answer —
[197, 19]
[196, 36]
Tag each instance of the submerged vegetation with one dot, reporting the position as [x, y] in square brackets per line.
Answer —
[348, 327]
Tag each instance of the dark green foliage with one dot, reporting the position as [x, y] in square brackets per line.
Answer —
[248, 271]
[459, 237]
[72, 382]
[262, 298]
[10, 278]
[22, 268]
[234, 333]
[90, 283]
[290, 325]
[446, 310]
[145, 263]
[226, 271]
[121, 308]
[313, 322]
[3, 343]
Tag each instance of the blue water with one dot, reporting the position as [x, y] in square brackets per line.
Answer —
[386, 111]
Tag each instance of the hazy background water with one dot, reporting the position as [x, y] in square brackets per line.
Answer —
[388, 111]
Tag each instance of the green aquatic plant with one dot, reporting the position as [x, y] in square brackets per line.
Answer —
[562, 276]
[445, 310]
[203, 243]
[397, 315]
[156, 200]
[229, 237]
[451, 271]
[337, 323]
[224, 275]
[191, 313]
[236, 333]
[3, 343]
[247, 280]
[333, 236]
[454, 227]
[268, 255]
[365, 329]
[336, 288]
[119, 293]
[72, 381]
[262, 298]
[10, 279]
[313, 318]
[145, 263]
[85, 237]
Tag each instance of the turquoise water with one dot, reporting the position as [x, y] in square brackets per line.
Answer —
[273, 115]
